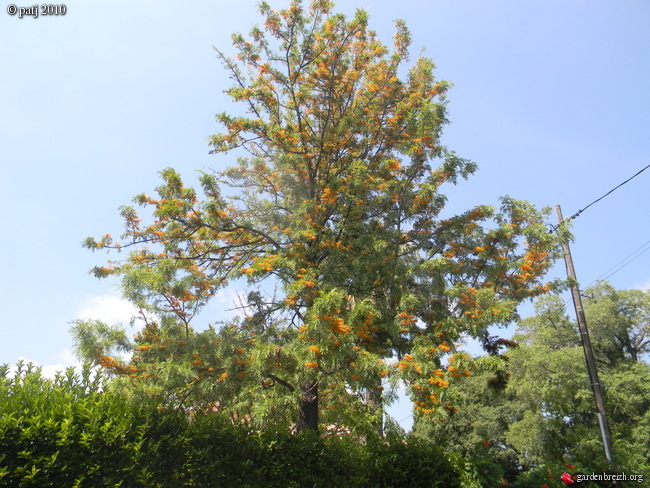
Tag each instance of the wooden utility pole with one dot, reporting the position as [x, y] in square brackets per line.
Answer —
[586, 345]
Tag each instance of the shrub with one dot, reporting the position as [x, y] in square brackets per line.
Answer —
[71, 431]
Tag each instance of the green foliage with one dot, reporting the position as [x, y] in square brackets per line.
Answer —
[544, 419]
[66, 432]
[474, 434]
[560, 425]
[92, 337]
[621, 323]
[72, 432]
[279, 459]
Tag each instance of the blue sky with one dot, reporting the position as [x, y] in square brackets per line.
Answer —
[550, 98]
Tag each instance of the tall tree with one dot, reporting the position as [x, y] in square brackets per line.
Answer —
[352, 275]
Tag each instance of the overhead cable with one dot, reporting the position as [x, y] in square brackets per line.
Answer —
[622, 264]
[618, 266]
[609, 192]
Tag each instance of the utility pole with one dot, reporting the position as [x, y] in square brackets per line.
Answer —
[586, 345]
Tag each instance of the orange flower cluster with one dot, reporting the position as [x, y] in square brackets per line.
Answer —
[438, 382]
[337, 324]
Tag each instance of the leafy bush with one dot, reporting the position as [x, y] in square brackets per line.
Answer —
[73, 431]
[68, 432]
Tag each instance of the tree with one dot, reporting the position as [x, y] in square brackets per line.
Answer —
[560, 424]
[546, 418]
[352, 276]
[476, 429]
[621, 322]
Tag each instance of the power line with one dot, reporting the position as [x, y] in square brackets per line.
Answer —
[399, 422]
[621, 264]
[617, 267]
[609, 192]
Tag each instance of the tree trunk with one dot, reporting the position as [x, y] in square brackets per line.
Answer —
[308, 407]
[374, 400]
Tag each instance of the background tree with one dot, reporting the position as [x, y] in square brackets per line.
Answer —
[621, 322]
[352, 276]
[546, 418]
[477, 427]
[555, 386]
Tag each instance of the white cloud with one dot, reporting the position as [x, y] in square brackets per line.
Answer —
[643, 285]
[108, 308]
[227, 298]
[61, 361]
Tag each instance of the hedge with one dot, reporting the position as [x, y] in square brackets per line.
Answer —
[69, 432]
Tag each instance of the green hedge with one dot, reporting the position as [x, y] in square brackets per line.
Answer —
[67, 432]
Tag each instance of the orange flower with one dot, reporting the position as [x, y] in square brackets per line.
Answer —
[311, 365]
